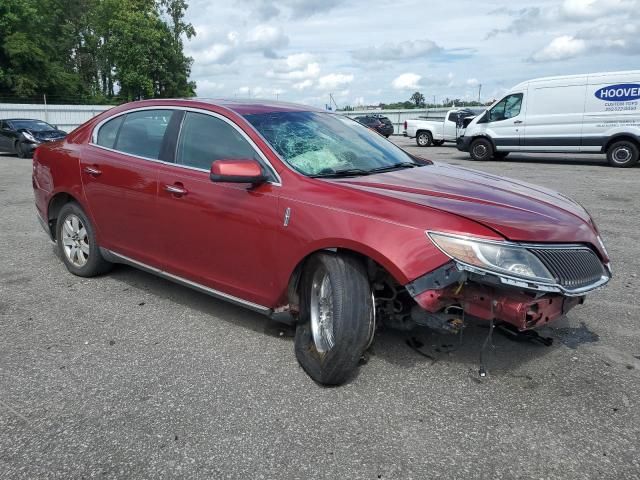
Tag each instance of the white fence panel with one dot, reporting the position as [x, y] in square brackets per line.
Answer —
[65, 117]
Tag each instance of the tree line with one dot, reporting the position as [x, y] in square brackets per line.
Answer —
[94, 51]
[417, 100]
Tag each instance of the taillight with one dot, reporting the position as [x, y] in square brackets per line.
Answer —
[405, 124]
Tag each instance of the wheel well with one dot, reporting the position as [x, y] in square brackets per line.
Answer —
[618, 138]
[484, 137]
[55, 205]
[373, 269]
[418, 132]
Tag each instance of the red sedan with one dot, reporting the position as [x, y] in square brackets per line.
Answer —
[311, 218]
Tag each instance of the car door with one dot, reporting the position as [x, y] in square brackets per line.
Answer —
[220, 235]
[506, 122]
[6, 136]
[119, 172]
[450, 126]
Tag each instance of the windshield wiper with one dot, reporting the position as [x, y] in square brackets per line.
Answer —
[347, 172]
[395, 166]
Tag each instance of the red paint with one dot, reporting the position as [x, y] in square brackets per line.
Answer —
[520, 310]
[236, 168]
[232, 237]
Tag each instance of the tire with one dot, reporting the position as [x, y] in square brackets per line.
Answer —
[481, 149]
[77, 243]
[500, 155]
[20, 150]
[330, 355]
[438, 143]
[424, 139]
[623, 154]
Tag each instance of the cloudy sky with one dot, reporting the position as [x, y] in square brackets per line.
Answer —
[370, 51]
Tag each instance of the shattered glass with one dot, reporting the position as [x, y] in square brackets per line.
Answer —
[315, 143]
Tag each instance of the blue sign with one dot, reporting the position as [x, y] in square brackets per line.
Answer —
[622, 92]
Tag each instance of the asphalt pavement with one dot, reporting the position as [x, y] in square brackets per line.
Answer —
[130, 376]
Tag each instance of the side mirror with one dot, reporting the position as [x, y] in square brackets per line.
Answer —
[237, 171]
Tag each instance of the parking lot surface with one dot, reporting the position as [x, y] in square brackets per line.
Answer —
[130, 376]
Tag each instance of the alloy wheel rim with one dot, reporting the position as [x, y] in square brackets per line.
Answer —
[75, 241]
[322, 315]
[622, 154]
[422, 139]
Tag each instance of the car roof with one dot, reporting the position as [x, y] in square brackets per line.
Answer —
[21, 120]
[239, 106]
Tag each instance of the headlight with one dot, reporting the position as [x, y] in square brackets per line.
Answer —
[29, 137]
[504, 258]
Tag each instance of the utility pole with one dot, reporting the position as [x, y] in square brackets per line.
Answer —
[479, 90]
[434, 100]
[46, 116]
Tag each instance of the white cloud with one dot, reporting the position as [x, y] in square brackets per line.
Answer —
[560, 48]
[303, 85]
[407, 81]
[334, 80]
[390, 52]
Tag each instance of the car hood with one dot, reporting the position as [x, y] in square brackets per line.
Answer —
[45, 135]
[516, 210]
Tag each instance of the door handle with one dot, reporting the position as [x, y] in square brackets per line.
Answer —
[517, 122]
[93, 171]
[176, 190]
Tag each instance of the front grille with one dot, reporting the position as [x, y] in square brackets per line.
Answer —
[572, 268]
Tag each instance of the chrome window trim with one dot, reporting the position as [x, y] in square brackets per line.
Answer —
[94, 138]
[188, 283]
[523, 282]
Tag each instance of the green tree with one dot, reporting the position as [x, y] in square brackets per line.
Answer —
[94, 50]
[418, 99]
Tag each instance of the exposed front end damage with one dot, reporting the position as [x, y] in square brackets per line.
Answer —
[448, 296]
[522, 309]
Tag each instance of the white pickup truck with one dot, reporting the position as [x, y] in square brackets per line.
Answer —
[435, 128]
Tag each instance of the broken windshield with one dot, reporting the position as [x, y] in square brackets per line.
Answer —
[318, 144]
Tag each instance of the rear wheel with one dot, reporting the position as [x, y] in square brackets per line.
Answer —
[481, 149]
[336, 317]
[77, 243]
[424, 139]
[623, 154]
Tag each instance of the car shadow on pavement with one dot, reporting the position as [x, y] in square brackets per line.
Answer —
[533, 159]
[418, 347]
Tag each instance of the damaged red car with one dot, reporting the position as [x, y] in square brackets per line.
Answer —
[310, 218]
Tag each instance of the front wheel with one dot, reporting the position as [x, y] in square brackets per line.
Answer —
[336, 317]
[623, 154]
[481, 149]
[21, 150]
[424, 139]
[77, 243]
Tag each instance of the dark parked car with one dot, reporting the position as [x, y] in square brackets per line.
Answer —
[379, 123]
[22, 135]
[310, 218]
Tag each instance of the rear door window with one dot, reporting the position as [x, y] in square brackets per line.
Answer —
[109, 131]
[205, 138]
[142, 133]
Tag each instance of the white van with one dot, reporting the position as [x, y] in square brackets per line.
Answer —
[594, 113]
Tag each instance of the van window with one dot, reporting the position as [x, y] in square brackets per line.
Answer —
[205, 138]
[506, 108]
